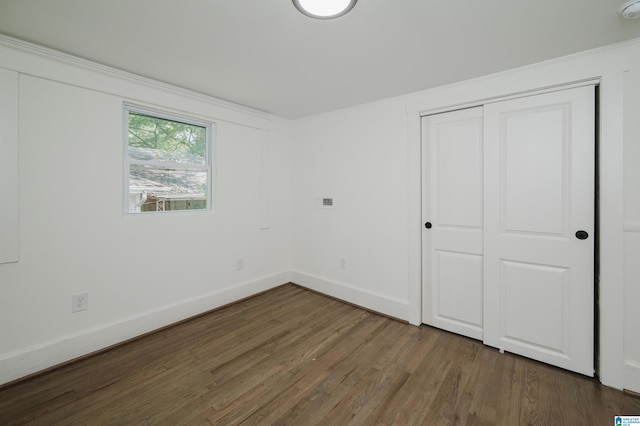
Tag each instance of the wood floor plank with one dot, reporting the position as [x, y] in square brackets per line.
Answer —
[294, 361]
[321, 369]
[294, 357]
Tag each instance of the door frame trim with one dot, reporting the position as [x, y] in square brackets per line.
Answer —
[516, 95]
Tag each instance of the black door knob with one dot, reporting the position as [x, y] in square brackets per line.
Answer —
[582, 235]
[427, 225]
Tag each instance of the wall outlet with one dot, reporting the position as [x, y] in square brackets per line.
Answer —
[79, 302]
[240, 264]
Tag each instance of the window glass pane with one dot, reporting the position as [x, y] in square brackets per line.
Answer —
[153, 188]
[162, 140]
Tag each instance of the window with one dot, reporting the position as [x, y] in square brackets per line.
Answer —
[167, 162]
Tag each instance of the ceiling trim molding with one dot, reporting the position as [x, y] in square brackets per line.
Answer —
[95, 67]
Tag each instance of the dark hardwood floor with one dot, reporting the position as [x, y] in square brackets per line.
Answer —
[291, 356]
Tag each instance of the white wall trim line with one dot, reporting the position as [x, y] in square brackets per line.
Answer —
[52, 54]
[9, 166]
[24, 57]
[37, 358]
[376, 302]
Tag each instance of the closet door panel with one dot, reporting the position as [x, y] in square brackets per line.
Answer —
[452, 208]
[539, 230]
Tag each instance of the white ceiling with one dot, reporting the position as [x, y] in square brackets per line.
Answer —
[266, 55]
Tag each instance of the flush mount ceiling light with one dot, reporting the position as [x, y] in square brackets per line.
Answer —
[630, 10]
[325, 9]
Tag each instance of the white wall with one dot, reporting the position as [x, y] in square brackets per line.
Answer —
[9, 170]
[368, 157]
[141, 273]
[632, 224]
[358, 157]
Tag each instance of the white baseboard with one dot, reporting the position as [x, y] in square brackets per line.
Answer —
[48, 354]
[377, 302]
[31, 360]
[632, 376]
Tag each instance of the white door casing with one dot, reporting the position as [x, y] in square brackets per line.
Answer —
[452, 205]
[538, 192]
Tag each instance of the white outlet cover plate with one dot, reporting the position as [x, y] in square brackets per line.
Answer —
[79, 302]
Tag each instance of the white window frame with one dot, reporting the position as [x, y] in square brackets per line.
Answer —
[127, 161]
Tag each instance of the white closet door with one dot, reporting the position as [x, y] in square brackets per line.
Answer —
[452, 206]
[539, 227]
